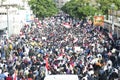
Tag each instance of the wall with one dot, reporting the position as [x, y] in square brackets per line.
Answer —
[108, 25]
[16, 17]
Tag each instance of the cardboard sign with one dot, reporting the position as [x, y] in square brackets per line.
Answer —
[99, 20]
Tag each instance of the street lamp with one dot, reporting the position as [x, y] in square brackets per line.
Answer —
[112, 6]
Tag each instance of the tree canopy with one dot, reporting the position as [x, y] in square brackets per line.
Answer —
[106, 5]
[79, 8]
[83, 8]
[43, 8]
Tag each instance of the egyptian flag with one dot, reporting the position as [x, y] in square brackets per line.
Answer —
[21, 33]
[46, 65]
[38, 24]
[110, 36]
[67, 25]
[75, 40]
[15, 75]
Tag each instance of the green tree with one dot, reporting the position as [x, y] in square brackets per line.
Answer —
[83, 8]
[79, 8]
[117, 3]
[43, 8]
[106, 6]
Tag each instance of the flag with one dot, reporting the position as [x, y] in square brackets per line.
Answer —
[21, 33]
[77, 25]
[110, 36]
[15, 75]
[46, 65]
[67, 25]
[75, 40]
[38, 24]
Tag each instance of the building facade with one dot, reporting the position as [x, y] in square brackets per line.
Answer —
[14, 14]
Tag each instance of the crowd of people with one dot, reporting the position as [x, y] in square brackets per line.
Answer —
[60, 45]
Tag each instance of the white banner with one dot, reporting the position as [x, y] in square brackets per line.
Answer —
[61, 77]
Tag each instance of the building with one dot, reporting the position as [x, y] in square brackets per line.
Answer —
[60, 3]
[14, 14]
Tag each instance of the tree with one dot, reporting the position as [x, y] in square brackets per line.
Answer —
[117, 3]
[43, 8]
[83, 8]
[105, 5]
[79, 8]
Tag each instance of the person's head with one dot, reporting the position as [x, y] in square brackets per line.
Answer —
[84, 78]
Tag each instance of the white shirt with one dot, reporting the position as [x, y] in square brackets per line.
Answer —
[6, 74]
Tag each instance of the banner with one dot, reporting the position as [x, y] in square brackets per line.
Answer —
[66, 25]
[61, 77]
[99, 20]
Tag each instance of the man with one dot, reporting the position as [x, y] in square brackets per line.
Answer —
[9, 77]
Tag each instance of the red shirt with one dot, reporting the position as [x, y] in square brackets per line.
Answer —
[9, 78]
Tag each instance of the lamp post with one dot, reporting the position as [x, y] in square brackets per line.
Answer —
[112, 6]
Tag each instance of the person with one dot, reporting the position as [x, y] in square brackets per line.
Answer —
[9, 77]
[84, 47]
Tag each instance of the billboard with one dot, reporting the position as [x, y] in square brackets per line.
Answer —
[99, 20]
